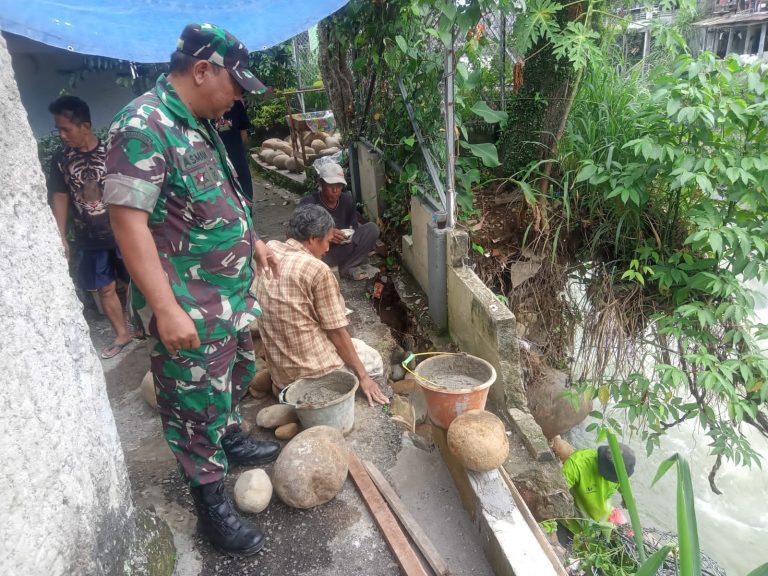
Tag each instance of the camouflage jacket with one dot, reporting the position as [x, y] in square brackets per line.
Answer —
[163, 160]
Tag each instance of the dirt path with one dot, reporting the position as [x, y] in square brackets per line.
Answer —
[338, 538]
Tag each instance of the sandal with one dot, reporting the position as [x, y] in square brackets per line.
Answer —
[113, 350]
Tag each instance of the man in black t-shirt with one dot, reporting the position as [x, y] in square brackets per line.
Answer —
[76, 184]
[346, 251]
[233, 131]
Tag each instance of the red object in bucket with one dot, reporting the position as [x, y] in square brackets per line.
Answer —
[444, 404]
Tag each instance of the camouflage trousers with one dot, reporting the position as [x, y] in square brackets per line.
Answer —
[198, 392]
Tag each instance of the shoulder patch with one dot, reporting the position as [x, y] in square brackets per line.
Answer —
[138, 135]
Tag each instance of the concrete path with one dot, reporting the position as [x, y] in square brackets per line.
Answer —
[339, 538]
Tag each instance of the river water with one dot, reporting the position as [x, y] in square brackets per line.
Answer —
[733, 527]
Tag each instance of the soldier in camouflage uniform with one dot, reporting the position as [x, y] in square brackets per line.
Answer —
[186, 234]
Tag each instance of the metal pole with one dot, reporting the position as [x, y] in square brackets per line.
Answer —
[431, 166]
[450, 126]
[298, 72]
[502, 79]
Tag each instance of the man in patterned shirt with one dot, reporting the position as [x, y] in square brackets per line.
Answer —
[304, 327]
[76, 184]
[186, 234]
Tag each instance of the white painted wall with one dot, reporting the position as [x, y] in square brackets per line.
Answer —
[64, 492]
[40, 75]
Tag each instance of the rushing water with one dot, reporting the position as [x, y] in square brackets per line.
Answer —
[733, 527]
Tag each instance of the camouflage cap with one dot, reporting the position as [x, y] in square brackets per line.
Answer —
[209, 42]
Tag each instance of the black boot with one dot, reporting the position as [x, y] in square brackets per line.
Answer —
[243, 450]
[219, 522]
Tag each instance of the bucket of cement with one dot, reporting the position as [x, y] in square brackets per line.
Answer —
[453, 384]
[325, 401]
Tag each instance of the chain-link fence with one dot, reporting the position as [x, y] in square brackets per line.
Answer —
[306, 66]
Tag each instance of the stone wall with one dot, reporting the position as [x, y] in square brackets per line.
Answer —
[64, 492]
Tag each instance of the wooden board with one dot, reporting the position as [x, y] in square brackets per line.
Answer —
[393, 534]
[409, 522]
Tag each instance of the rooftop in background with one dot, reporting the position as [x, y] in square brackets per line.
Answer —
[734, 18]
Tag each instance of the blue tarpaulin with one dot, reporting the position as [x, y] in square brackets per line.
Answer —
[147, 30]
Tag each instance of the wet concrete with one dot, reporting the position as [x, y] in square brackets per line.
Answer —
[338, 538]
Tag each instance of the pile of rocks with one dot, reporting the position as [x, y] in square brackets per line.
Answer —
[281, 155]
[310, 471]
[312, 466]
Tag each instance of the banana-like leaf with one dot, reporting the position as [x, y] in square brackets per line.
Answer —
[687, 530]
[626, 493]
[654, 562]
[486, 152]
[760, 571]
[488, 114]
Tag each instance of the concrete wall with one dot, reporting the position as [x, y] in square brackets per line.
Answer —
[41, 74]
[64, 491]
[372, 179]
[415, 244]
[484, 327]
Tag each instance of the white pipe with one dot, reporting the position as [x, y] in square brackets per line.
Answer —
[450, 126]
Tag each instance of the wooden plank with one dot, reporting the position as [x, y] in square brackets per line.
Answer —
[393, 534]
[409, 522]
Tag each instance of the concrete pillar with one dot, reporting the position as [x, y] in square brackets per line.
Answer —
[748, 40]
[64, 492]
[730, 41]
[761, 44]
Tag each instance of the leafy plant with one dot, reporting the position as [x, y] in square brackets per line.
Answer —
[403, 40]
[275, 66]
[267, 114]
[627, 494]
[668, 190]
[759, 571]
[598, 552]
[689, 552]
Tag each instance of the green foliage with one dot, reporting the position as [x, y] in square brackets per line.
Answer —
[626, 492]
[687, 530]
[655, 561]
[404, 39]
[759, 571]
[274, 66]
[600, 553]
[668, 188]
[267, 114]
[527, 109]
[47, 147]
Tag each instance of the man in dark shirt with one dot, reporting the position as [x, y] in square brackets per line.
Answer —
[233, 131]
[346, 252]
[77, 182]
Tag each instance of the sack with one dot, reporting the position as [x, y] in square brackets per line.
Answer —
[370, 358]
